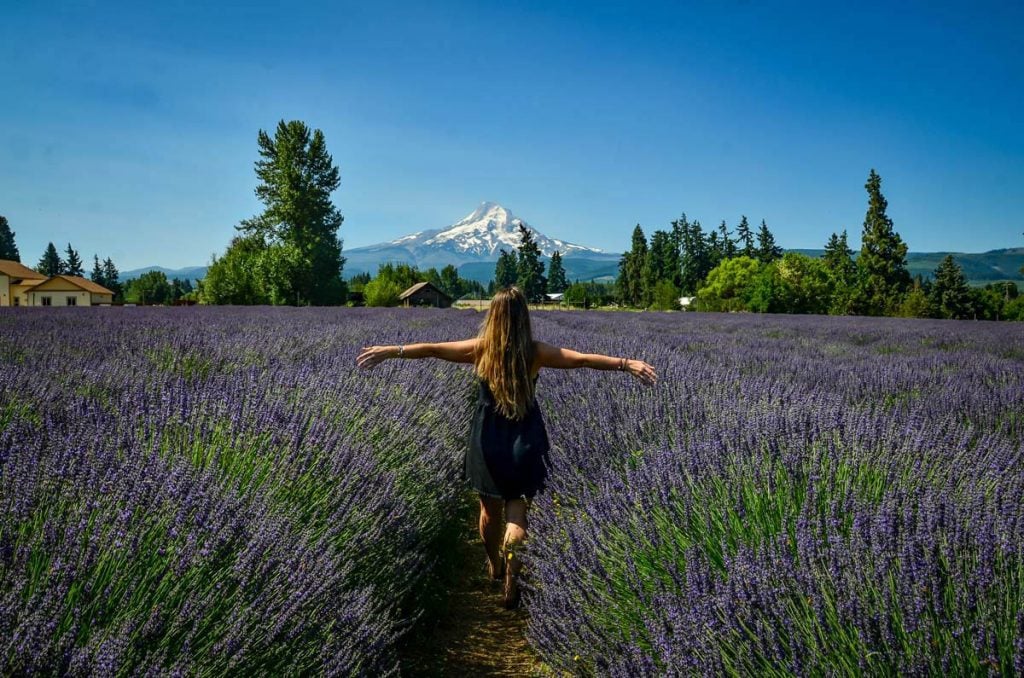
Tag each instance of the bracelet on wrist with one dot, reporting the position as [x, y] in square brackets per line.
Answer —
[401, 351]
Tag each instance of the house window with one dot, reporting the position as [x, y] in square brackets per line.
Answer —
[17, 301]
[72, 301]
[47, 301]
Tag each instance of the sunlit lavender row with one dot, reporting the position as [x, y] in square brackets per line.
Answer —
[797, 496]
[195, 491]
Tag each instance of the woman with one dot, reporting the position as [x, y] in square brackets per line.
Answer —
[505, 460]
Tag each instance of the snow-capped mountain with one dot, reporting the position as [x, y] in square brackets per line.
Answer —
[477, 237]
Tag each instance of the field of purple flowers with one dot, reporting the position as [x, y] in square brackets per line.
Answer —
[208, 490]
[798, 495]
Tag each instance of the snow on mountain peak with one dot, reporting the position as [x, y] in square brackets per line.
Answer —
[483, 232]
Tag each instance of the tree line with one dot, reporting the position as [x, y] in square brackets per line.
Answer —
[393, 279]
[744, 271]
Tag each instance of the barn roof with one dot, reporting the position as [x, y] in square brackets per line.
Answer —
[80, 282]
[421, 286]
[15, 269]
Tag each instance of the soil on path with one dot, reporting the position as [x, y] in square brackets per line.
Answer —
[476, 636]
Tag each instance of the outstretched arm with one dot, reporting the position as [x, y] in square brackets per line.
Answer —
[452, 351]
[568, 359]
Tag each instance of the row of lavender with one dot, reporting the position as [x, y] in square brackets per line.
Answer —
[796, 496]
[196, 491]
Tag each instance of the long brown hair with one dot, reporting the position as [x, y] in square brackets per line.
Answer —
[505, 353]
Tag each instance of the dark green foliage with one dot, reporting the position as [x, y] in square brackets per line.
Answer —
[300, 223]
[450, 282]
[50, 263]
[660, 264]
[838, 260]
[97, 271]
[530, 269]
[767, 250]
[73, 263]
[916, 303]
[882, 265]
[506, 270]
[726, 245]
[589, 294]
[631, 269]
[111, 279]
[950, 297]
[556, 274]
[8, 248]
[149, 289]
[745, 238]
[696, 257]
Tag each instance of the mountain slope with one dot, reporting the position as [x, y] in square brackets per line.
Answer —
[478, 237]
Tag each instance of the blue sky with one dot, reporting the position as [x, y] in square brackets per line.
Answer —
[129, 129]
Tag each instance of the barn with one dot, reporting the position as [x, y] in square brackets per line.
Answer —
[425, 294]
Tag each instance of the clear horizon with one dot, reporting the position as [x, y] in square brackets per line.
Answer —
[130, 131]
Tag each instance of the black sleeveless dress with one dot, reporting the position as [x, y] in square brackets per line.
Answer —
[506, 458]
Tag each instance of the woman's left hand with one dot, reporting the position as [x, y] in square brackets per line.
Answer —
[372, 355]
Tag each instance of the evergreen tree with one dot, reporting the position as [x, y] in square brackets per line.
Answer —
[8, 248]
[50, 263]
[745, 239]
[73, 263]
[839, 263]
[631, 269]
[450, 282]
[883, 257]
[297, 176]
[505, 271]
[695, 255]
[110, 279]
[97, 271]
[950, 295]
[556, 274]
[726, 245]
[767, 250]
[530, 269]
[658, 265]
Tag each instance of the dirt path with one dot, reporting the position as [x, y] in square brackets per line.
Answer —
[477, 636]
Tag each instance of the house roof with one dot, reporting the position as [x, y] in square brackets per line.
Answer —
[15, 269]
[29, 283]
[420, 286]
[80, 282]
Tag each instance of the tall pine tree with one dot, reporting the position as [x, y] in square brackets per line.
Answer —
[882, 264]
[556, 274]
[73, 263]
[631, 269]
[745, 238]
[97, 271]
[111, 281]
[530, 269]
[950, 295]
[505, 271]
[695, 255]
[50, 263]
[300, 223]
[767, 250]
[658, 265]
[839, 263]
[726, 245]
[8, 248]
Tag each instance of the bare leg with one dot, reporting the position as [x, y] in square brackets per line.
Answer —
[490, 531]
[515, 534]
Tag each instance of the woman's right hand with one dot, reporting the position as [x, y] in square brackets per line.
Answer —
[642, 371]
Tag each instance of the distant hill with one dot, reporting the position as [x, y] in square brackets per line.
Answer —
[192, 273]
[980, 268]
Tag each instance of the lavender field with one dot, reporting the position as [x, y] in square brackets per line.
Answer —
[208, 490]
